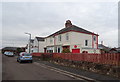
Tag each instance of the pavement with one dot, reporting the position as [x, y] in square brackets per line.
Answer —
[88, 74]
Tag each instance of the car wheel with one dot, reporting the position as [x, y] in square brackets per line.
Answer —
[20, 61]
[31, 61]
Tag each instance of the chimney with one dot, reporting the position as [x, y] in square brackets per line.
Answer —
[68, 23]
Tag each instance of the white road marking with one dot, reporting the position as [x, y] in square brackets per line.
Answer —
[76, 76]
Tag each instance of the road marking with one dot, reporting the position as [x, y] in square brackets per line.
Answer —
[76, 76]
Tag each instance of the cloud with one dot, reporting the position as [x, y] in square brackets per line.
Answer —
[60, 0]
[44, 18]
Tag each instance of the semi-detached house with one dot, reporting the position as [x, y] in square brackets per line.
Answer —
[39, 44]
[72, 37]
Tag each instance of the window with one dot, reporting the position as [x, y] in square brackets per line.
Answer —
[67, 36]
[59, 38]
[94, 38]
[86, 42]
[51, 40]
[59, 50]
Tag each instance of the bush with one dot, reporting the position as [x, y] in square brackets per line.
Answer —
[66, 51]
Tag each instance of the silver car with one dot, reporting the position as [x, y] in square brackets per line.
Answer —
[23, 56]
[7, 53]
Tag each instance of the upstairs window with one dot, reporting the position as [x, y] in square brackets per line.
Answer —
[67, 36]
[51, 40]
[94, 38]
[59, 38]
[86, 42]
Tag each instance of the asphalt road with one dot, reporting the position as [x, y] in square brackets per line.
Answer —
[12, 70]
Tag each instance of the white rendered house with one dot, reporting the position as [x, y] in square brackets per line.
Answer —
[74, 38]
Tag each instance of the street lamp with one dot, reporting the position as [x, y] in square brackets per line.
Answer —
[29, 41]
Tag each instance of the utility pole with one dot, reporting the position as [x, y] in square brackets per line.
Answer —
[29, 41]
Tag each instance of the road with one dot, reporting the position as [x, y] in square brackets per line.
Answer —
[12, 70]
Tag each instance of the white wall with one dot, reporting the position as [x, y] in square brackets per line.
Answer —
[75, 38]
[79, 38]
[62, 42]
[41, 46]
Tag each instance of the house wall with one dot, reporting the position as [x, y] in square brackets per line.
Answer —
[38, 46]
[79, 38]
[63, 39]
[41, 46]
[55, 40]
[75, 38]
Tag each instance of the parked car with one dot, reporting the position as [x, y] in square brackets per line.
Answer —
[5, 53]
[9, 53]
[23, 56]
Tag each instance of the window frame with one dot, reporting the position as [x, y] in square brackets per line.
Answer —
[59, 38]
[67, 36]
[51, 40]
[86, 43]
[94, 38]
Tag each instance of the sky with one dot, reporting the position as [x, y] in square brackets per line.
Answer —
[44, 18]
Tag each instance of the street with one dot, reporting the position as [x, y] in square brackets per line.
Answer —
[42, 70]
[12, 70]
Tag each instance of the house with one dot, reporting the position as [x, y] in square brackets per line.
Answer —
[73, 39]
[118, 49]
[39, 44]
[115, 50]
[103, 48]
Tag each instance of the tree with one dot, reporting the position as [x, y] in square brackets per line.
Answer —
[19, 50]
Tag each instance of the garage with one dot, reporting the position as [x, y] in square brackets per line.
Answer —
[75, 50]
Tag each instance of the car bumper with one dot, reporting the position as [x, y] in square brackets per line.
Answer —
[10, 55]
[26, 59]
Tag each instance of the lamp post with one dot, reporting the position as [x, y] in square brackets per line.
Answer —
[29, 41]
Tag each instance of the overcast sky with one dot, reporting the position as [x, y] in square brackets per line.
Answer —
[44, 18]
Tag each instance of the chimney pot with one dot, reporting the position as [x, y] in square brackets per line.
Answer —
[68, 23]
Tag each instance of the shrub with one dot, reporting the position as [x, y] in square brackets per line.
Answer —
[66, 51]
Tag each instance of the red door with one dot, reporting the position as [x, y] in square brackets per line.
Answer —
[75, 50]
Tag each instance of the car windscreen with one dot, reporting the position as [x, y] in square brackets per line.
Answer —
[27, 54]
[11, 53]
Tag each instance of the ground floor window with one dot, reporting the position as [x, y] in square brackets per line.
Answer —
[49, 51]
[59, 50]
